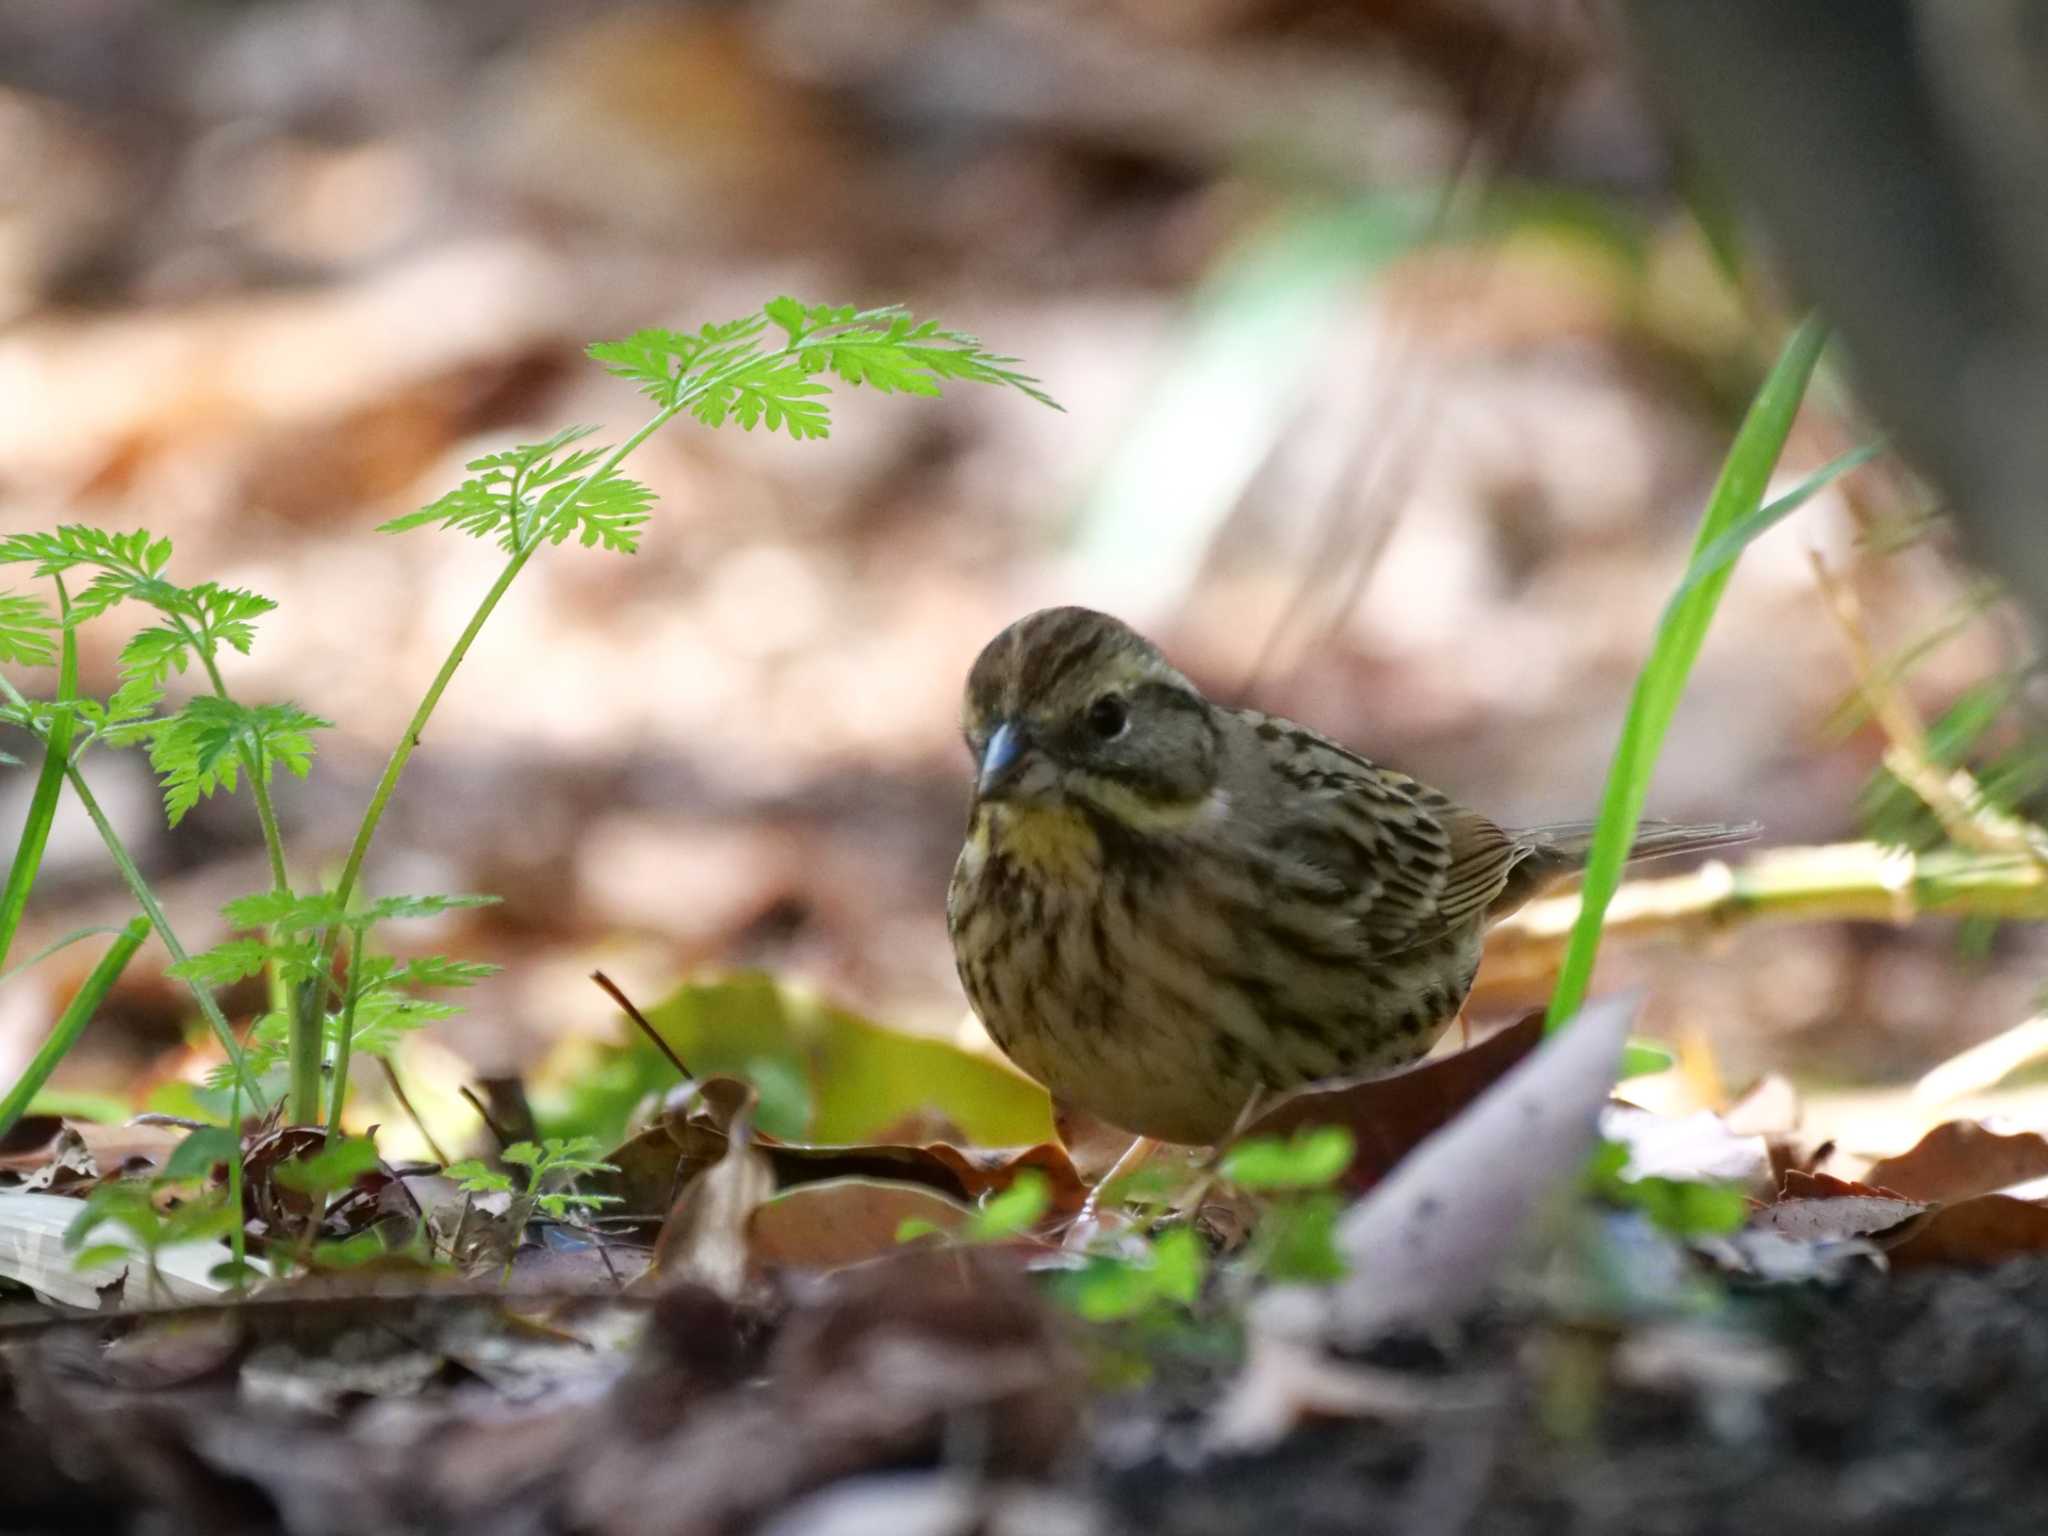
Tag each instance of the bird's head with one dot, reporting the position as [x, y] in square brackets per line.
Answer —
[1069, 710]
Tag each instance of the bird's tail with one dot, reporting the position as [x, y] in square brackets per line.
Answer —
[1564, 844]
[1558, 850]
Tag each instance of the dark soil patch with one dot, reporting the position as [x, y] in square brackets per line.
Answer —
[1915, 1404]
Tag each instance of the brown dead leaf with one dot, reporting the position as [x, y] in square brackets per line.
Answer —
[61, 1164]
[884, 1366]
[29, 1143]
[837, 1222]
[1963, 1158]
[1820, 1208]
[982, 1170]
[1975, 1233]
[1805, 1184]
[1838, 1218]
[704, 1240]
[692, 1136]
[1389, 1115]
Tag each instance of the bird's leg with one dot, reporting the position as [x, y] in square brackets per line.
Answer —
[1464, 1029]
[1085, 1222]
[1190, 1203]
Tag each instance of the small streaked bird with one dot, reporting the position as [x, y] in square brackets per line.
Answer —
[1166, 907]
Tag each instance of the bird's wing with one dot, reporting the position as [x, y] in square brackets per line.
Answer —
[1412, 863]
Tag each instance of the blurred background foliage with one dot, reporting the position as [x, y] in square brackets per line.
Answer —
[1398, 347]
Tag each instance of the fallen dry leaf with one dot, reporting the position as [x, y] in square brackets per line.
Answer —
[1806, 1184]
[61, 1165]
[692, 1136]
[1820, 1208]
[1388, 1116]
[882, 1368]
[704, 1240]
[1837, 1218]
[1975, 1233]
[1962, 1158]
[29, 1143]
[837, 1222]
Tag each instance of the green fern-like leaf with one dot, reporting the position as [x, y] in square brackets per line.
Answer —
[505, 498]
[608, 510]
[226, 615]
[387, 907]
[226, 963]
[441, 971]
[75, 544]
[153, 654]
[27, 631]
[284, 911]
[199, 750]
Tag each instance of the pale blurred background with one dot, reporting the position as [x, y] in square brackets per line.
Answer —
[1396, 370]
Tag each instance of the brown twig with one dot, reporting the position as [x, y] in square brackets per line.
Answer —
[611, 989]
[497, 1131]
[405, 1103]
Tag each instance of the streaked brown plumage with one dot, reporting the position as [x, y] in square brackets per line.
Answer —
[1165, 906]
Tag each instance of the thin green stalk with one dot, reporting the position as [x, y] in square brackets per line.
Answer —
[42, 806]
[348, 1033]
[145, 898]
[380, 798]
[71, 1023]
[1737, 495]
[305, 1036]
[304, 1060]
[259, 786]
[308, 1010]
[305, 1105]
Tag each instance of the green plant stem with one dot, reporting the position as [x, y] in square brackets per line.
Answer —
[305, 1103]
[1737, 494]
[259, 785]
[534, 537]
[145, 898]
[71, 1023]
[343, 1046]
[306, 1014]
[42, 806]
[303, 1062]
[387, 784]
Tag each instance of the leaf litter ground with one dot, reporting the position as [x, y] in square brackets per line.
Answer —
[804, 1373]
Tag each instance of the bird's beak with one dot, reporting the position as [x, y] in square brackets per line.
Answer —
[1001, 760]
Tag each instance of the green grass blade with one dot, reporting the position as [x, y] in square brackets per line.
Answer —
[42, 806]
[75, 936]
[1735, 502]
[1722, 551]
[71, 1024]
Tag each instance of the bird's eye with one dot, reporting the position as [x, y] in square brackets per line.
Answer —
[1108, 716]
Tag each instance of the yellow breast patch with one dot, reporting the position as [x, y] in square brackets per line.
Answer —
[1049, 840]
